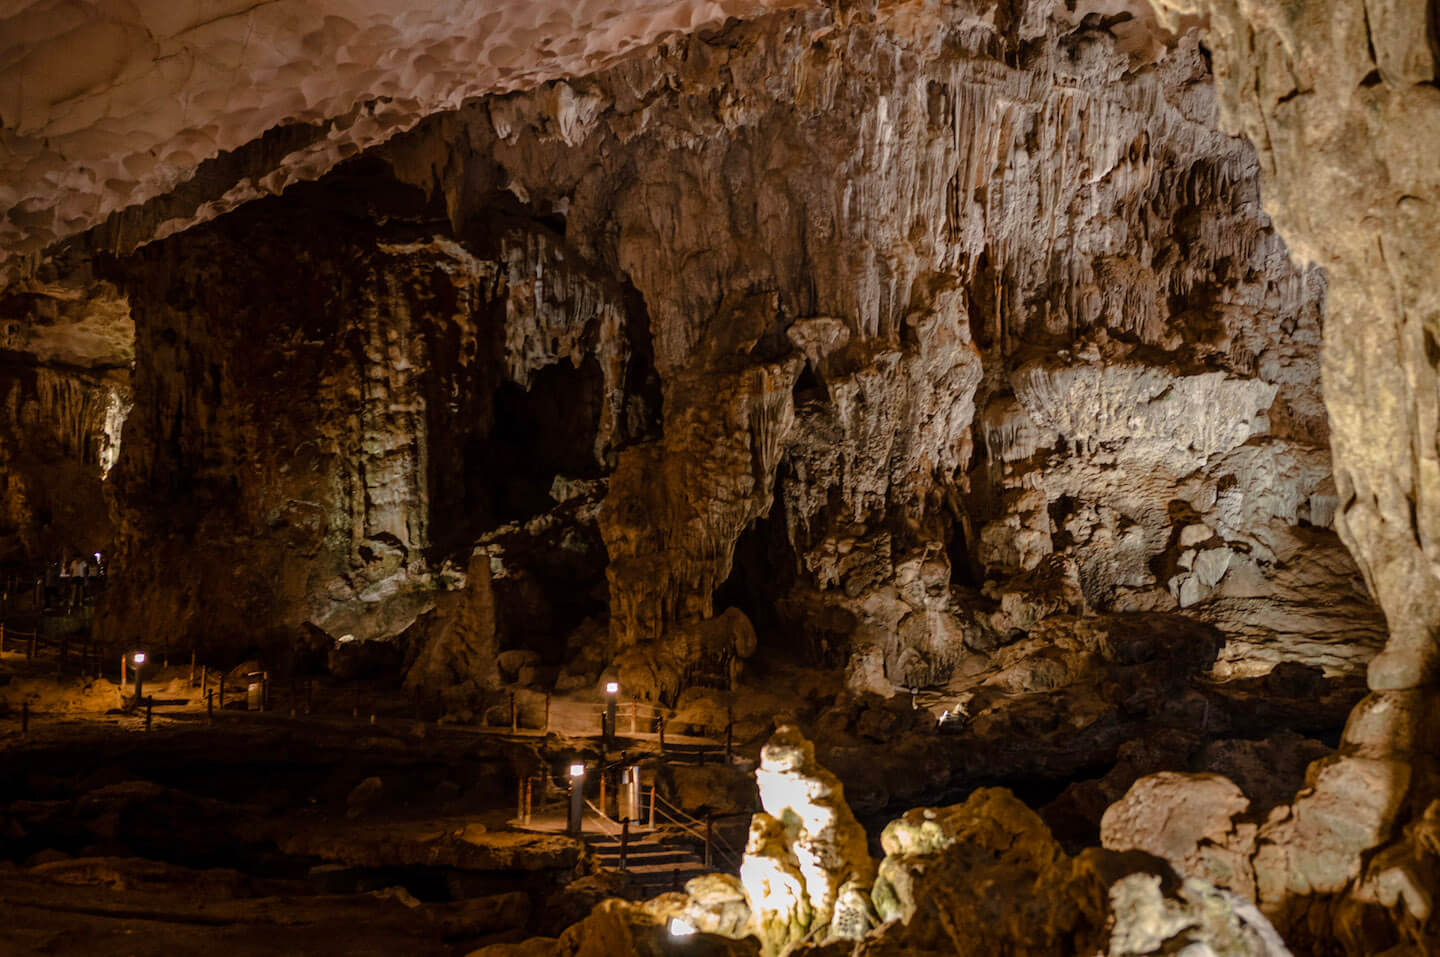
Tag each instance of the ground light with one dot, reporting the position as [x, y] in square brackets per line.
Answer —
[577, 798]
[680, 927]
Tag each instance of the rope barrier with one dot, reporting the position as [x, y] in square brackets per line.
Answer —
[602, 815]
[718, 843]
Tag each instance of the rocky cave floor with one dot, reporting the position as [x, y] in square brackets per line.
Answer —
[334, 831]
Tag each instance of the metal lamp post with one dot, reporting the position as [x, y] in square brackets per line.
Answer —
[138, 660]
[612, 695]
[577, 798]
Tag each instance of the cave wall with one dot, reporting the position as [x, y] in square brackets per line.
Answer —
[981, 308]
[992, 276]
[66, 349]
[315, 418]
[1340, 100]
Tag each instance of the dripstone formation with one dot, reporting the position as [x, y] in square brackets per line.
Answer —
[984, 342]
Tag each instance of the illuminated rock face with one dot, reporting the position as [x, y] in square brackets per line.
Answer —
[807, 855]
[65, 392]
[974, 350]
[317, 403]
[1340, 100]
[105, 106]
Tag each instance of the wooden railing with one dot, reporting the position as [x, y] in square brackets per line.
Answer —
[85, 652]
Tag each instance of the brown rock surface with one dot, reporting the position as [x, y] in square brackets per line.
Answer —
[1190, 821]
[1340, 100]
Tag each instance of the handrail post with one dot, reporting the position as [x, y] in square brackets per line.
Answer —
[624, 839]
[709, 836]
[547, 711]
[514, 715]
[652, 807]
[24, 717]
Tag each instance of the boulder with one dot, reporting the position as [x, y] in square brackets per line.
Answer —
[1202, 920]
[992, 824]
[460, 647]
[511, 663]
[364, 796]
[717, 905]
[1190, 820]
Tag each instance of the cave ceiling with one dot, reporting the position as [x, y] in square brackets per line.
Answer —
[105, 106]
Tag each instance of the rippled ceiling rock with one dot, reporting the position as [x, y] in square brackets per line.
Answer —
[107, 105]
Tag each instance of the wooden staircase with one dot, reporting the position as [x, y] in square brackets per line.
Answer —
[656, 861]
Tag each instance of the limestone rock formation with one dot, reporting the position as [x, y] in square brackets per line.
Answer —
[1190, 821]
[1069, 368]
[835, 414]
[952, 351]
[371, 425]
[807, 868]
[985, 876]
[1340, 100]
[460, 654]
[1203, 920]
[68, 349]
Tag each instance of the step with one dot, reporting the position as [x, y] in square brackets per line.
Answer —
[652, 849]
[614, 848]
[691, 870]
[651, 852]
[614, 863]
